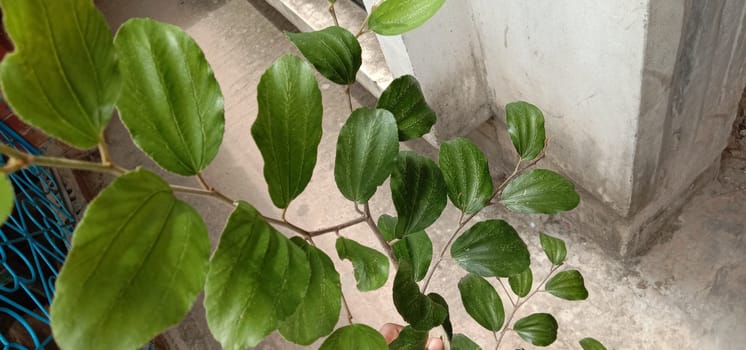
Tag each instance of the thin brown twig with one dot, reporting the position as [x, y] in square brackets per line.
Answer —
[373, 227]
[506, 291]
[20, 160]
[333, 13]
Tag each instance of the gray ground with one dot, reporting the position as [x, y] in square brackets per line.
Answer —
[687, 293]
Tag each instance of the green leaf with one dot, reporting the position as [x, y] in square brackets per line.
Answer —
[334, 51]
[137, 263]
[526, 129]
[591, 344]
[537, 329]
[63, 76]
[257, 279]
[288, 127]
[367, 149]
[317, 315]
[418, 249]
[356, 336]
[371, 267]
[394, 17]
[404, 98]
[7, 197]
[409, 339]
[417, 309]
[171, 103]
[462, 342]
[521, 283]
[554, 248]
[491, 248]
[447, 326]
[481, 302]
[466, 174]
[540, 191]
[568, 285]
[418, 192]
[387, 226]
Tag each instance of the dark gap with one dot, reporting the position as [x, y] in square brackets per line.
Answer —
[737, 141]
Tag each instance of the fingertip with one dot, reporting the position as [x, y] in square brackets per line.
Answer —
[434, 344]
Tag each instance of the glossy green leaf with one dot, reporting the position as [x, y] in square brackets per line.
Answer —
[418, 192]
[462, 342]
[356, 336]
[491, 248]
[334, 51]
[371, 267]
[387, 226]
[409, 339]
[521, 283]
[394, 17]
[537, 329]
[367, 149]
[554, 248]
[418, 249]
[482, 302]
[466, 174]
[540, 191]
[591, 344]
[288, 127]
[7, 197]
[171, 103]
[419, 310]
[257, 279]
[404, 98]
[63, 76]
[137, 263]
[526, 129]
[318, 314]
[447, 326]
[568, 285]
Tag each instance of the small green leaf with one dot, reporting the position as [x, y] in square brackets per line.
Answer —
[447, 326]
[356, 336]
[521, 283]
[318, 313]
[419, 310]
[568, 285]
[482, 302]
[394, 17]
[526, 129]
[537, 329]
[367, 149]
[137, 263]
[7, 197]
[554, 248]
[409, 339]
[288, 127]
[171, 103]
[257, 279]
[491, 248]
[418, 249]
[591, 344]
[371, 267]
[387, 226]
[63, 76]
[418, 192]
[462, 342]
[540, 191]
[334, 51]
[404, 98]
[466, 174]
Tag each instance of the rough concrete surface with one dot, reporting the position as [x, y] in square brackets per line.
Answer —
[686, 293]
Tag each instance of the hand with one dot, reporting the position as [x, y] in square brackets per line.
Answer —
[391, 331]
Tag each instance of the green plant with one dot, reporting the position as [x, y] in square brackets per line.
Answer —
[140, 256]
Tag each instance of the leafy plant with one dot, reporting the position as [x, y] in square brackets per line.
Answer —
[140, 256]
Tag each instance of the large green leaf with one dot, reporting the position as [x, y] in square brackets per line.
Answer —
[387, 226]
[554, 248]
[419, 310]
[491, 248]
[371, 267]
[537, 329]
[418, 249]
[466, 174]
[7, 197]
[540, 191]
[462, 342]
[409, 339]
[481, 302]
[568, 285]
[418, 192]
[63, 77]
[591, 344]
[334, 51]
[404, 98]
[257, 279]
[526, 129]
[171, 103]
[521, 283]
[288, 127]
[367, 148]
[137, 263]
[318, 313]
[394, 17]
[356, 336]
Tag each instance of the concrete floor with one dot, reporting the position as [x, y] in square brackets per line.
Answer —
[687, 293]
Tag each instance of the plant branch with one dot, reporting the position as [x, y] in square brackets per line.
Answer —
[349, 97]
[337, 227]
[364, 25]
[506, 291]
[201, 192]
[20, 160]
[373, 227]
[333, 13]
[347, 309]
